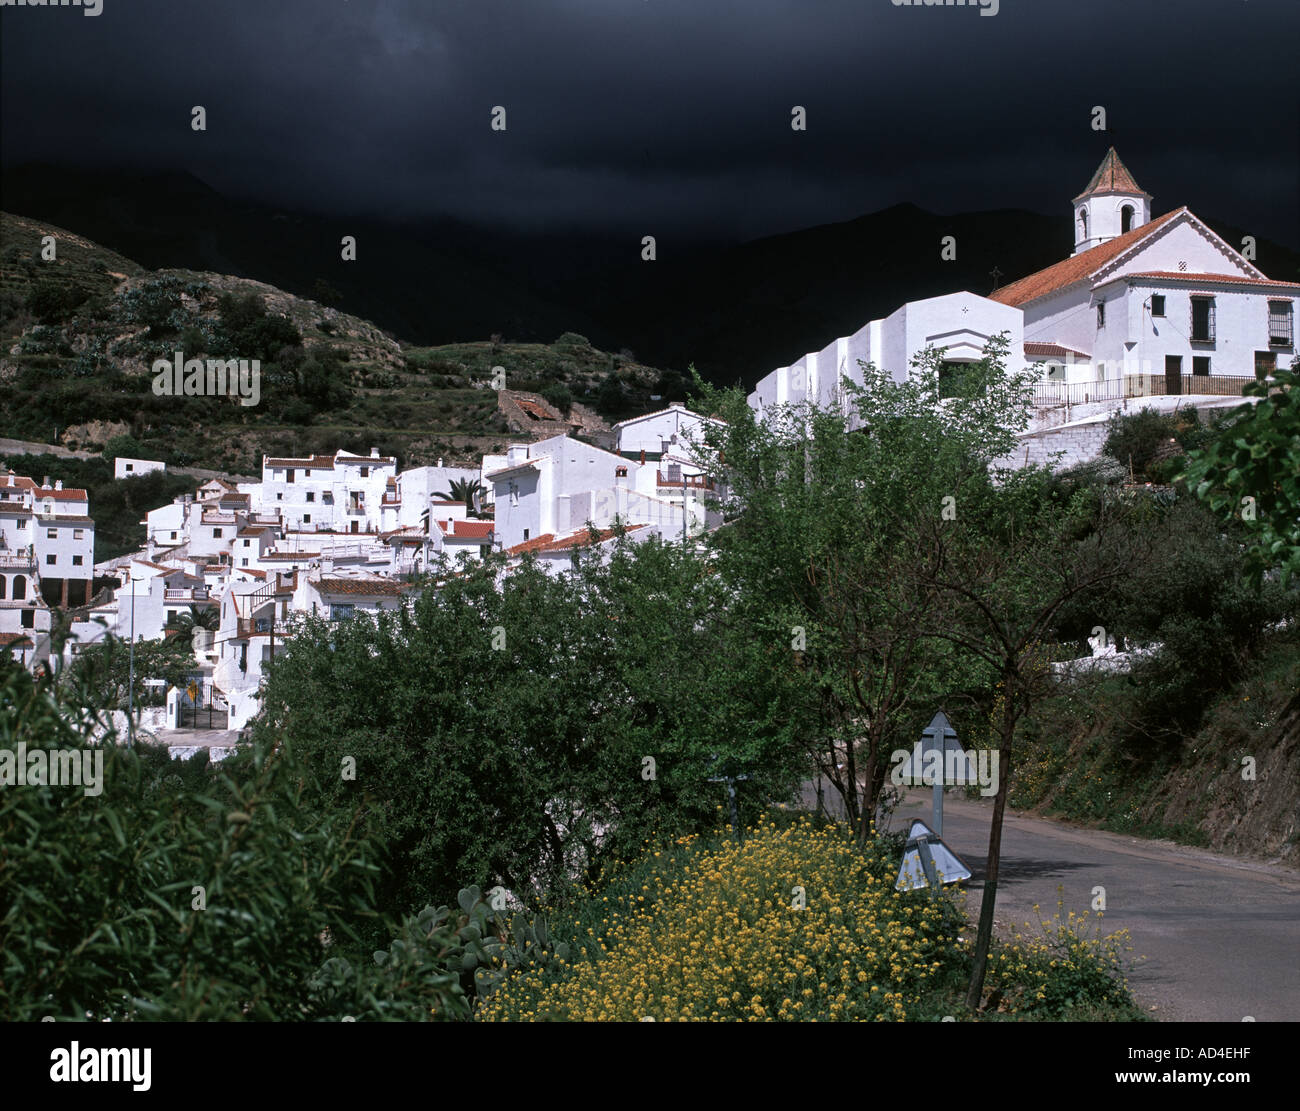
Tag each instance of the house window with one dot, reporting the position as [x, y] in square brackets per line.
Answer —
[341, 610]
[78, 534]
[1265, 363]
[76, 561]
[365, 472]
[22, 523]
[216, 534]
[1157, 304]
[311, 495]
[1202, 320]
[288, 475]
[328, 499]
[51, 534]
[130, 466]
[525, 534]
[306, 518]
[620, 472]
[20, 588]
[173, 536]
[51, 559]
[1101, 314]
[279, 497]
[1201, 365]
[29, 619]
[1279, 323]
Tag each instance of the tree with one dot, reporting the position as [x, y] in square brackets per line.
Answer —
[122, 905]
[197, 617]
[822, 549]
[464, 490]
[1001, 572]
[1251, 472]
[127, 446]
[501, 727]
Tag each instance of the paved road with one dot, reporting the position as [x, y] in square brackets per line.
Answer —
[1221, 935]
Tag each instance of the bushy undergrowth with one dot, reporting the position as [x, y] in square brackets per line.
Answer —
[792, 924]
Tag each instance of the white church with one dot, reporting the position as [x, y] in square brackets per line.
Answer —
[1142, 308]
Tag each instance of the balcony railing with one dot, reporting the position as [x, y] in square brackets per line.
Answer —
[185, 594]
[691, 481]
[1048, 394]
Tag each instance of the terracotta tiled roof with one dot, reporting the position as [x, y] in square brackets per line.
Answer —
[548, 543]
[54, 522]
[15, 640]
[67, 494]
[1052, 350]
[1237, 279]
[369, 588]
[1077, 268]
[316, 462]
[1112, 176]
[466, 530]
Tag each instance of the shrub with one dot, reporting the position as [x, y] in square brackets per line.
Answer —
[1065, 966]
[709, 929]
[1139, 439]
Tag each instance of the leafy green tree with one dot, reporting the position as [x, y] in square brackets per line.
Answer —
[1001, 571]
[501, 729]
[126, 446]
[822, 550]
[213, 895]
[1251, 473]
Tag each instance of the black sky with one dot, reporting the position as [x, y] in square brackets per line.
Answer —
[669, 116]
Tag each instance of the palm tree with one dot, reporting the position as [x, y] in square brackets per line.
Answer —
[198, 617]
[466, 490]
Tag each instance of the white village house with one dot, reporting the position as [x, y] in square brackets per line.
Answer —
[1143, 308]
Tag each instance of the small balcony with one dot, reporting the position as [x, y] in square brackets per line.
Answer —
[690, 481]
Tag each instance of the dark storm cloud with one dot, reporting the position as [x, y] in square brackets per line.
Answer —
[661, 114]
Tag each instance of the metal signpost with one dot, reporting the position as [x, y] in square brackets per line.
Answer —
[940, 736]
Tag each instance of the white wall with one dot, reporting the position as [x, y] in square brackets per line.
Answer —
[134, 468]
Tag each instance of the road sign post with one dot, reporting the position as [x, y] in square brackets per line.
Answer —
[940, 736]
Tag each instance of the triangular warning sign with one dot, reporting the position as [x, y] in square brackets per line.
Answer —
[926, 855]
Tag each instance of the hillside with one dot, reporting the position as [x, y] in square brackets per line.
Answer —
[735, 310]
[79, 334]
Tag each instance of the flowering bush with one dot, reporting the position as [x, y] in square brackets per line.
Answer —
[1066, 965]
[715, 930]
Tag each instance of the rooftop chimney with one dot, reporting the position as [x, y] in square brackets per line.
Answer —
[58, 484]
[374, 453]
[439, 467]
[45, 482]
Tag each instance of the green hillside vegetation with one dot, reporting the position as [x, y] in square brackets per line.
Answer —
[80, 334]
[117, 505]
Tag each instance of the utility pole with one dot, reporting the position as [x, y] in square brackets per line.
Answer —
[130, 683]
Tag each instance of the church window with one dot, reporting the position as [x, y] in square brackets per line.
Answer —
[1126, 219]
[1083, 223]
